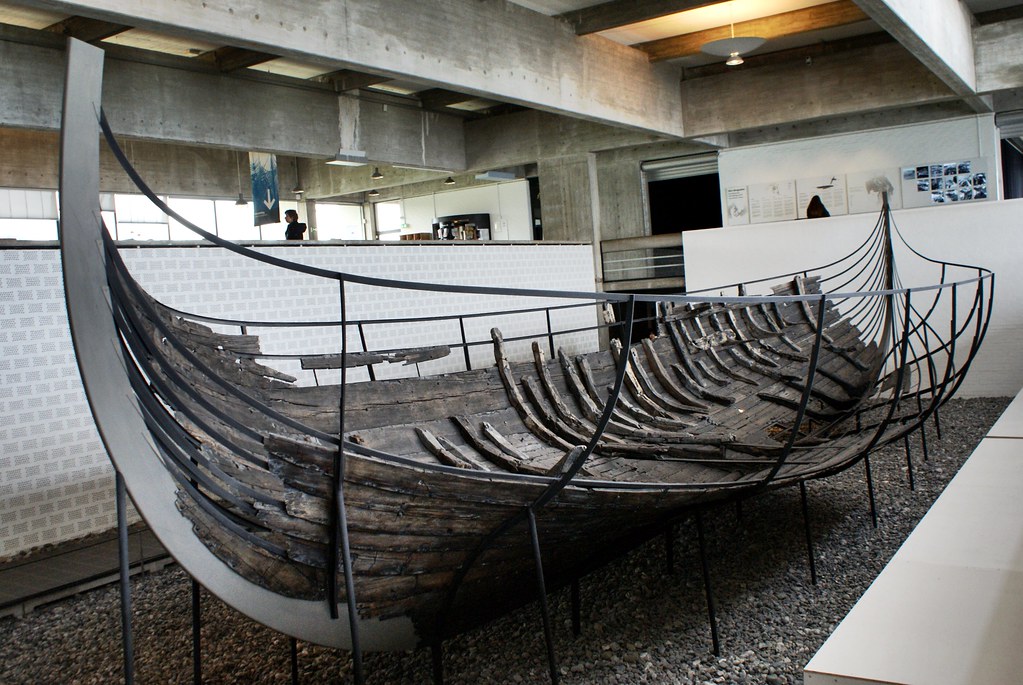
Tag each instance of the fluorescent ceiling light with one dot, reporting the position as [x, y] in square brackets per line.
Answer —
[349, 158]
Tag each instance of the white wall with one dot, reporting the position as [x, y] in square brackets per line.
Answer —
[986, 234]
[859, 155]
[507, 204]
[56, 482]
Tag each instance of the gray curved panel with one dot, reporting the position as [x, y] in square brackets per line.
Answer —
[115, 409]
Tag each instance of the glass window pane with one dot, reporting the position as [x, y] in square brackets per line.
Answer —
[110, 221]
[277, 231]
[388, 220]
[28, 229]
[200, 212]
[138, 209]
[234, 222]
[134, 231]
[339, 222]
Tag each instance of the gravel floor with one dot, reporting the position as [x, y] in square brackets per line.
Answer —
[641, 624]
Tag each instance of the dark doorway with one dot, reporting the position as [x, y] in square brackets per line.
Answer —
[685, 204]
[1012, 171]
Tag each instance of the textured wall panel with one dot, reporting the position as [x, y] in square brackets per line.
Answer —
[56, 482]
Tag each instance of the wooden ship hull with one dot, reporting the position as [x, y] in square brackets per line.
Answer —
[392, 514]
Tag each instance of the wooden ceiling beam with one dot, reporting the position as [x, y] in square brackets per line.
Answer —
[86, 29]
[347, 79]
[826, 16]
[439, 98]
[229, 58]
[615, 13]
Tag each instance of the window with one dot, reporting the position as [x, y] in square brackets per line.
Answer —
[389, 220]
[339, 222]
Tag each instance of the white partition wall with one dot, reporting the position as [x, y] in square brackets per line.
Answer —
[986, 234]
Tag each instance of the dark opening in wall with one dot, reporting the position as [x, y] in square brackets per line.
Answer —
[685, 204]
[1012, 171]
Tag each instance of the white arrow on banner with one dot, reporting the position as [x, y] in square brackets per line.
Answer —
[270, 200]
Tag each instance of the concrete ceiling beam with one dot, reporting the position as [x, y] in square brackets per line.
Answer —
[489, 49]
[939, 33]
[269, 114]
[870, 79]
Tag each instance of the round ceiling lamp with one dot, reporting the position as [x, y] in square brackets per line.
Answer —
[733, 48]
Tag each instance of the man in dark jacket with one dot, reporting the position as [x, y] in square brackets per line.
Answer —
[296, 229]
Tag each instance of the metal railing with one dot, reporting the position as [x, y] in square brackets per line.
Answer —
[646, 263]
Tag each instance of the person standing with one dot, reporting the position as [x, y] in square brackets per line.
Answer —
[296, 229]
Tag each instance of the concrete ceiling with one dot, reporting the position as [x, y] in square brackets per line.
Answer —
[458, 85]
[666, 30]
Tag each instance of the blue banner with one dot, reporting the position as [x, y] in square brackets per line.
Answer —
[266, 206]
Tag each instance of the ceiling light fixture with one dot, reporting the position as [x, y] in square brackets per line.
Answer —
[373, 193]
[349, 158]
[449, 181]
[733, 48]
[376, 175]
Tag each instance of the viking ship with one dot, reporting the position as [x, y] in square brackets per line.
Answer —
[372, 514]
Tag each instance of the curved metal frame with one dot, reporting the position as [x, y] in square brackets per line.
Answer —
[128, 388]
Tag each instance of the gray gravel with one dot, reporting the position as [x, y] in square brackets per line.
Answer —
[641, 624]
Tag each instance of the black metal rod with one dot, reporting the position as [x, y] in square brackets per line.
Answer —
[711, 614]
[541, 588]
[362, 339]
[669, 548]
[809, 534]
[923, 440]
[465, 344]
[438, 663]
[577, 622]
[870, 490]
[294, 661]
[127, 645]
[909, 462]
[196, 633]
[937, 423]
[550, 333]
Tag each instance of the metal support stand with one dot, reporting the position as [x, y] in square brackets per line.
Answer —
[438, 663]
[909, 462]
[923, 441]
[576, 609]
[706, 585]
[196, 634]
[669, 548]
[541, 587]
[870, 491]
[127, 647]
[294, 661]
[937, 424]
[809, 536]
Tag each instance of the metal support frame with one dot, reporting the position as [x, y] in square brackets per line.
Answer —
[541, 588]
[124, 560]
[294, 661]
[909, 462]
[711, 612]
[669, 548]
[196, 633]
[576, 608]
[870, 490]
[809, 534]
[437, 654]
